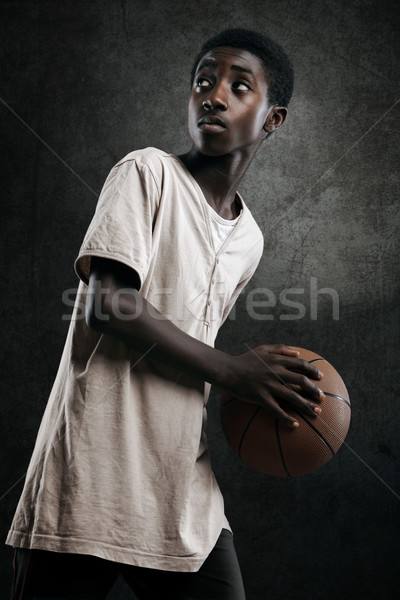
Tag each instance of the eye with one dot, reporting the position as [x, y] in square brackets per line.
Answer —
[202, 82]
[241, 86]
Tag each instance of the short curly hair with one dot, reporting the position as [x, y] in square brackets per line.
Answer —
[276, 63]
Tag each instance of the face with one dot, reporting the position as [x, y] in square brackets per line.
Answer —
[228, 106]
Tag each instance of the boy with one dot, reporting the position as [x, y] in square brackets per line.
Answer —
[120, 479]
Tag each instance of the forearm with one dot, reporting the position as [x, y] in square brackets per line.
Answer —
[132, 319]
[115, 307]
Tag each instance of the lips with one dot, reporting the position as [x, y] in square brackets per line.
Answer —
[211, 124]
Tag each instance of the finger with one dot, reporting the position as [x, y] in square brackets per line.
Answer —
[305, 384]
[298, 365]
[289, 352]
[283, 350]
[290, 395]
[273, 406]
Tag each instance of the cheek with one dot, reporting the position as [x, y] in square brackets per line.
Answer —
[258, 120]
[251, 124]
[192, 114]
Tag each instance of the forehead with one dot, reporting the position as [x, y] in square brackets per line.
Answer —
[226, 56]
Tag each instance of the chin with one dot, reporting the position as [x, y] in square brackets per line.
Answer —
[210, 152]
[209, 145]
[211, 149]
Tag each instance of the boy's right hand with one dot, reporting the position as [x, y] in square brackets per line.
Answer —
[261, 376]
[266, 373]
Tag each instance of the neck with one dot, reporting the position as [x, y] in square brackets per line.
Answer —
[218, 178]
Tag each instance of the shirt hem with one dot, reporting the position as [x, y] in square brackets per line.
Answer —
[109, 552]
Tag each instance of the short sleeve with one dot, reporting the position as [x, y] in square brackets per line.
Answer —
[121, 228]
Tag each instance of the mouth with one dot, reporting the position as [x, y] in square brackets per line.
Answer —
[211, 124]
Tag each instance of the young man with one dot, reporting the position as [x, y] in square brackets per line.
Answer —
[120, 479]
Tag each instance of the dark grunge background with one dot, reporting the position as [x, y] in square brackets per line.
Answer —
[84, 83]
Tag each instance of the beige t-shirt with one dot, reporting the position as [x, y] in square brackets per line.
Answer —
[120, 468]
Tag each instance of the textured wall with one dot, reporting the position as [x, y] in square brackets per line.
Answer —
[96, 80]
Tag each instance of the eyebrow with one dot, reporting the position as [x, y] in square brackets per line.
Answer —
[209, 62]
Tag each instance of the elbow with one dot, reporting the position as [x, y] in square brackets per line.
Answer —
[92, 319]
[97, 315]
[108, 309]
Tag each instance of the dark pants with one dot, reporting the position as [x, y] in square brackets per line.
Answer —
[40, 574]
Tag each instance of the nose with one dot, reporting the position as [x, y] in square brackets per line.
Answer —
[216, 99]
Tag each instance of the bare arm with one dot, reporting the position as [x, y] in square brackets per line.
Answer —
[115, 307]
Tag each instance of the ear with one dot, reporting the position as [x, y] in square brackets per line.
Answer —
[276, 117]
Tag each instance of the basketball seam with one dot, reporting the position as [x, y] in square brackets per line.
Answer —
[246, 429]
[229, 400]
[328, 393]
[280, 447]
[338, 398]
[316, 430]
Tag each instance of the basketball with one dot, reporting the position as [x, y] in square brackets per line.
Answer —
[268, 445]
